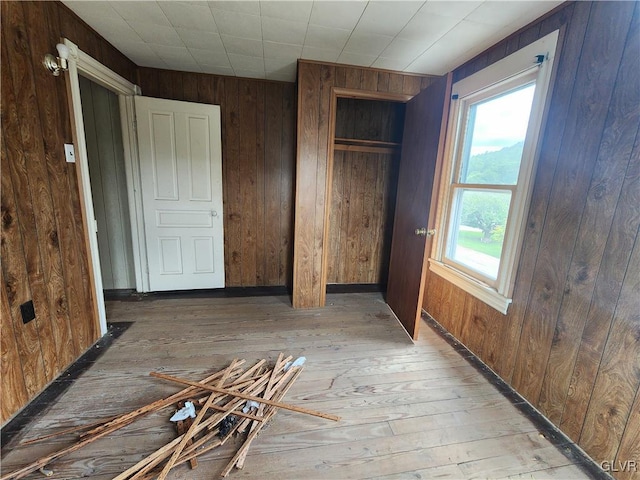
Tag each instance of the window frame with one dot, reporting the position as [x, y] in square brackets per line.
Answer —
[519, 68]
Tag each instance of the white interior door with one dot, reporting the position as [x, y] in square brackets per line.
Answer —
[181, 175]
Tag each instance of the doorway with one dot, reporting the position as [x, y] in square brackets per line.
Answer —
[105, 153]
[365, 145]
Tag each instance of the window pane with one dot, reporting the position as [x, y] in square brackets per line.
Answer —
[494, 138]
[477, 230]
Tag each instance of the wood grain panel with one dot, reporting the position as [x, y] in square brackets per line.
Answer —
[14, 391]
[46, 260]
[360, 220]
[618, 378]
[569, 342]
[314, 88]
[597, 216]
[629, 450]
[306, 186]
[568, 195]
[46, 234]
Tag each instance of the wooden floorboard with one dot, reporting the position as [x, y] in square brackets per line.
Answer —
[408, 410]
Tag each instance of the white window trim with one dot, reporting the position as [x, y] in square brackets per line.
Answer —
[515, 65]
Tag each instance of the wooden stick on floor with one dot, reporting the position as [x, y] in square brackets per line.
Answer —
[284, 406]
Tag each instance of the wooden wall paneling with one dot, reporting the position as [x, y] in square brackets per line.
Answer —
[396, 83]
[356, 162]
[622, 235]
[569, 46]
[79, 301]
[261, 224]
[273, 124]
[231, 186]
[16, 278]
[369, 235]
[630, 444]
[335, 218]
[67, 300]
[568, 194]
[411, 85]
[287, 174]
[369, 80]
[619, 374]
[18, 55]
[306, 184]
[190, 87]
[248, 179]
[347, 195]
[383, 82]
[545, 171]
[323, 178]
[378, 164]
[14, 391]
[597, 218]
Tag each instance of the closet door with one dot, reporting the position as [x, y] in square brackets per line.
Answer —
[421, 146]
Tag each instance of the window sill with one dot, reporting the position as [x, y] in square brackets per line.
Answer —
[473, 287]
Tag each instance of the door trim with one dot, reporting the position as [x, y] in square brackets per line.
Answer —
[81, 62]
[341, 92]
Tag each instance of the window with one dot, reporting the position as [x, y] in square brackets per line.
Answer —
[493, 131]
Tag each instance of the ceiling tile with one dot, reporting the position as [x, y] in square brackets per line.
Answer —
[238, 24]
[387, 18]
[250, 7]
[207, 57]
[390, 63]
[141, 54]
[281, 76]
[336, 14]
[141, 12]
[242, 46]
[325, 37]
[283, 31]
[178, 57]
[244, 62]
[92, 9]
[196, 17]
[461, 43]
[281, 50]
[349, 58]
[320, 54]
[271, 64]
[367, 43]
[116, 30]
[249, 73]
[403, 50]
[157, 34]
[200, 40]
[298, 11]
[450, 8]
[217, 70]
[427, 27]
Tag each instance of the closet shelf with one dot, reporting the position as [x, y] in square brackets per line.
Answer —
[369, 146]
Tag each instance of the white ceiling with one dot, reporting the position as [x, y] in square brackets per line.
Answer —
[263, 39]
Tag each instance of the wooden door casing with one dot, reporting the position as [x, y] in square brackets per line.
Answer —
[422, 145]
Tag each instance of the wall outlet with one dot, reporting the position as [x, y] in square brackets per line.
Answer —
[69, 153]
[27, 311]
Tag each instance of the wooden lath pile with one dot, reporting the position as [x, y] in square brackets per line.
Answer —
[220, 401]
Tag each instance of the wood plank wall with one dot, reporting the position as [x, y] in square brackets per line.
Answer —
[258, 148]
[363, 193]
[570, 342]
[315, 81]
[44, 258]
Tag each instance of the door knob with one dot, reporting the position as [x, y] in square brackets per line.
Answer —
[423, 232]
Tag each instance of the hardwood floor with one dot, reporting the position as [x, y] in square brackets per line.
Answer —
[408, 410]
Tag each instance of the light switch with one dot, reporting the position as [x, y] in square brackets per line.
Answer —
[69, 153]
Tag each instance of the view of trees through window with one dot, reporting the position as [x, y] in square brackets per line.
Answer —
[486, 212]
